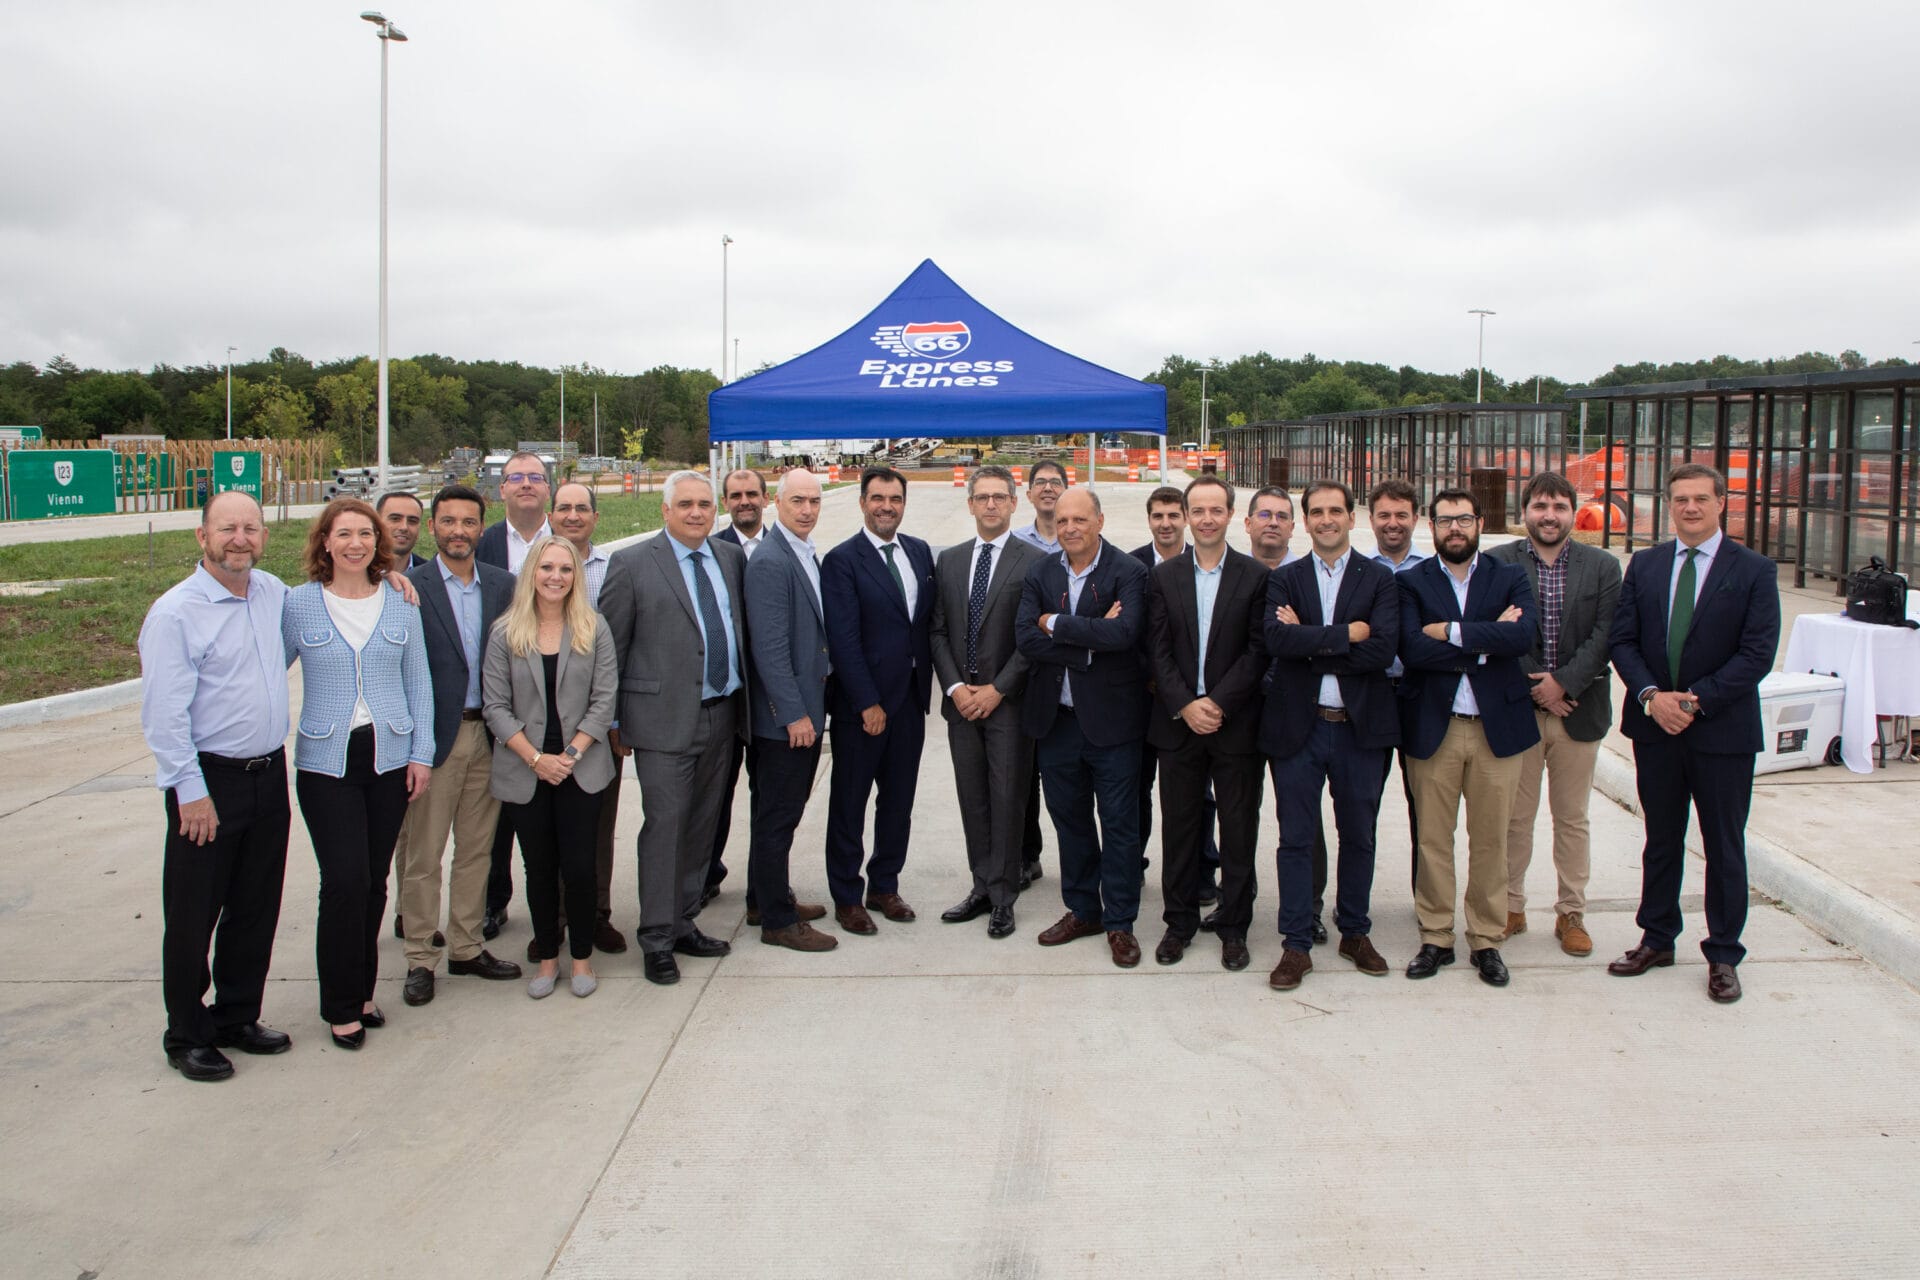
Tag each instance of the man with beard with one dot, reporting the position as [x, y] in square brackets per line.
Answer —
[745, 495]
[1577, 588]
[402, 513]
[1465, 623]
[1392, 511]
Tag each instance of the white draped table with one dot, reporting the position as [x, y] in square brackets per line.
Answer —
[1881, 668]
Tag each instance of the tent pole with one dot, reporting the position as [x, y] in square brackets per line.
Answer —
[1163, 457]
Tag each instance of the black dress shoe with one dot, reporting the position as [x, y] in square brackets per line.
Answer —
[419, 988]
[349, 1039]
[251, 1037]
[202, 1063]
[1210, 921]
[1172, 947]
[1493, 970]
[373, 1017]
[709, 893]
[1233, 954]
[1029, 872]
[700, 945]
[662, 968]
[486, 965]
[492, 923]
[972, 907]
[1723, 983]
[1000, 922]
[1319, 930]
[1429, 961]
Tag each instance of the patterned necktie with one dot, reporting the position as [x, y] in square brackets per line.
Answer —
[1680, 617]
[977, 605]
[711, 623]
[894, 569]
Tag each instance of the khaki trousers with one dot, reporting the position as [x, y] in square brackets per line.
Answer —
[1463, 766]
[458, 801]
[1569, 768]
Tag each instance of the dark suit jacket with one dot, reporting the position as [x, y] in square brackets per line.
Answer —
[1586, 620]
[492, 546]
[446, 656]
[1729, 647]
[660, 641]
[1000, 661]
[1319, 646]
[787, 637]
[1100, 655]
[881, 657]
[1235, 657]
[1435, 667]
[414, 561]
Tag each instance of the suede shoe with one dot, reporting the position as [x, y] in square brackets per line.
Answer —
[1359, 949]
[1571, 929]
[799, 936]
[1293, 966]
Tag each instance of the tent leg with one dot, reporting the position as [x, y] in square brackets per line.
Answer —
[1163, 460]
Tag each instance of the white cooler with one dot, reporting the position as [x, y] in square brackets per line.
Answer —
[1799, 720]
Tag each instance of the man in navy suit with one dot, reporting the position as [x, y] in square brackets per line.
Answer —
[1466, 621]
[877, 592]
[1086, 708]
[1332, 626]
[1698, 623]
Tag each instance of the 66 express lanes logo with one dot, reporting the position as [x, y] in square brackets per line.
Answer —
[928, 348]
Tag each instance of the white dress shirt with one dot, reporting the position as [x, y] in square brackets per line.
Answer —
[750, 545]
[1328, 577]
[900, 562]
[517, 546]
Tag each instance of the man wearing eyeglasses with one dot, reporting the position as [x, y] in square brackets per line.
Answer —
[1466, 621]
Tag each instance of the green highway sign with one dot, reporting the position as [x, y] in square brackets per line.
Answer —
[59, 482]
[11, 436]
[238, 470]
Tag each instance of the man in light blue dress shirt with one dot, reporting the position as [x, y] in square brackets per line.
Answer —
[1393, 512]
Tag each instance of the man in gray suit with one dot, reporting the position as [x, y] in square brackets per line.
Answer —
[1578, 588]
[788, 641]
[674, 604]
[977, 594]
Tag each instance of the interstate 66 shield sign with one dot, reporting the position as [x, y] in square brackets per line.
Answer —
[59, 482]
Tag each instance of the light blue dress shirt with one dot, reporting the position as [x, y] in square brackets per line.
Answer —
[1206, 590]
[1075, 581]
[1031, 536]
[1463, 700]
[465, 599]
[1399, 669]
[594, 565]
[213, 673]
[809, 560]
[711, 563]
[1328, 580]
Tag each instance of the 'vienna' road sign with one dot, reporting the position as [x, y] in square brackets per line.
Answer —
[59, 482]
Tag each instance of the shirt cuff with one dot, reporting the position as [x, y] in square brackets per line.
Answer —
[955, 685]
[1453, 635]
[190, 788]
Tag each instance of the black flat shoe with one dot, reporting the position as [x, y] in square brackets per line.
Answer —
[373, 1018]
[1429, 961]
[349, 1039]
[1319, 931]
[1493, 970]
[251, 1037]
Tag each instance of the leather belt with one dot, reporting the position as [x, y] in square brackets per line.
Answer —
[472, 713]
[1332, 715]
[1461, 715]
[256, 764]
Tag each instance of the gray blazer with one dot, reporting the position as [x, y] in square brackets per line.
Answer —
[1001, 663]
[515, 701]
[659, 640]
[1586, 619]
[788, 641]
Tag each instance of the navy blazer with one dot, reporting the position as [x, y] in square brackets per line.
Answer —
[1728, 649]
[1100, 655]
[1318, 646]
[446, 656]
[1435, 667]
[491, 548]
[1236, 655]
[881, 657]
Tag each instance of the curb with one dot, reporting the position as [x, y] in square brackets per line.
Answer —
[63, 706]
[1830, 905]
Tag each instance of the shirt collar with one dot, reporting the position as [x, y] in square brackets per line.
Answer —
[1707, 550]
[1099, 550]
[879, 544]
[799, 543]
[1413, 556]
[1160, 559]
[594, 552]
[1559, 561]
[545, 531]
[215, 590]
[681, 550]
[1339, 565]
[998, 544]
[448, 575]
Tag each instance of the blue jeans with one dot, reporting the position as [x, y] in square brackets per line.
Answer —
[1099, 867]
[1355, 774]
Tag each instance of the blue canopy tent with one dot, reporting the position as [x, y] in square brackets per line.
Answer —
[930, 361]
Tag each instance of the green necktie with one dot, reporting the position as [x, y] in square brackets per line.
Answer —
[894, 569]
[1681, 616]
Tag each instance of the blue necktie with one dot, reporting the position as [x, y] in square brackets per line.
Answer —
[976, 606]
[712, 624]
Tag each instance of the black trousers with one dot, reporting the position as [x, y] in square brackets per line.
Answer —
[1030, 842]
[1319, 857]
[1670, 776]
[558, 830]
[353, 821]
[779, 801]
[1186, 827]
[885, 766]
[224, 894]
[500, 876]
[743, 752]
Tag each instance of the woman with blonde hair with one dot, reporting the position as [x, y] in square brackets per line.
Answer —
[548, 686]
[364, 747]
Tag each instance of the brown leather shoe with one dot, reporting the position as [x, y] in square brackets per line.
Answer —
[1723, 983]
[809, 911]
[892, 906]
[1516, 924]
[1572, 932]
[1066, 929]
[799, 936]
[1359, 949]
[854, 919]
[1293, 966]
[1125, 948]
[1638, 961]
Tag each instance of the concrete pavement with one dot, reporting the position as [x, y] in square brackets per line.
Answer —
[932, 1103]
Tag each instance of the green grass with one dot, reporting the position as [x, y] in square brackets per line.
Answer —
[83, 636]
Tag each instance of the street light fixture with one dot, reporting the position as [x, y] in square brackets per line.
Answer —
[1480, 358]
[388, 34]
[230, 351]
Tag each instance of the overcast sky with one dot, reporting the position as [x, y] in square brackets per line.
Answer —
[1123, 179]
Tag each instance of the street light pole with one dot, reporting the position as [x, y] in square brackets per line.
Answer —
[1480, 358]
[388, 33]
[1204, 402]
[712, 448]
[230, 351]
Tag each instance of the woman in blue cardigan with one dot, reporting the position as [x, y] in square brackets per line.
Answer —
[364, 748]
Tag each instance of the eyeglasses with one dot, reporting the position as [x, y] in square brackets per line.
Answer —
[1456, 522]
[991, 498]
[1048, 483]
[1267, 517]
[525, 477]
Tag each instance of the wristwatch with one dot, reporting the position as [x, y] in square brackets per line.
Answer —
[573, 752]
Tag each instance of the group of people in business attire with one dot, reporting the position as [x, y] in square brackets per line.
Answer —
[494, 693]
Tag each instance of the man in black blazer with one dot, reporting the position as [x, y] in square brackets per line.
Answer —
[1696, 631]
[1203, 621]
[876, 592]
[1466, 718]
[745, 494]
[1332, 625]
[1167, 522]
[1577, 588]
[1086, 708]
[459, 600]
[982, 675]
